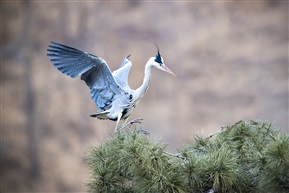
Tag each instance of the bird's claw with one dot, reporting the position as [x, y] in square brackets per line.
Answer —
[129, 124]
[135, 121]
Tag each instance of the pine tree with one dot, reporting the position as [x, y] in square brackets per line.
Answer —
[249, 156]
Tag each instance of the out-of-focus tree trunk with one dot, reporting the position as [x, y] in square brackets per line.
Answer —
[30, 93]
[30, 110]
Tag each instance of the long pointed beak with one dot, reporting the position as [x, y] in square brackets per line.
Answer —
[166, 69]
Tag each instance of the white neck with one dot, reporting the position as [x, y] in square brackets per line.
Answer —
[139, 92]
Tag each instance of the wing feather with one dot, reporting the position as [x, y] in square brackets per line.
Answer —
[92, 69]
[121, 75]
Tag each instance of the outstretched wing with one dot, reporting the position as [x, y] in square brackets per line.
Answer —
[121, 75]
[93, 70]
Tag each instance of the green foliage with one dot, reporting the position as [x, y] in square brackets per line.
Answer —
[245, 157]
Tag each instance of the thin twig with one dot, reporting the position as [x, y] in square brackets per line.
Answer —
[174, 155]
[219, 131]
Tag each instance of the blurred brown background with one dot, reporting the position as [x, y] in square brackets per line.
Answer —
[231, 57]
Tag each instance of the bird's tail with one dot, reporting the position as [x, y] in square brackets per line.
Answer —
[102, 115]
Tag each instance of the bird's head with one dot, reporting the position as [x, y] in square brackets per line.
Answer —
[158, 62]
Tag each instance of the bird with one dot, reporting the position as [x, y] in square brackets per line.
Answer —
[109, 90]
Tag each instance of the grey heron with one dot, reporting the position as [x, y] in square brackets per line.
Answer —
[109, 90]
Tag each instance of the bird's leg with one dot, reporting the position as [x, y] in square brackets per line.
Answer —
[117, 122]
[130, 123]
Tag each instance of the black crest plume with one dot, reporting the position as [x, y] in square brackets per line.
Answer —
[158, 56]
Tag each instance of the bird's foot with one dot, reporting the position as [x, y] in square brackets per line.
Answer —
[129, 124]
[135, 121]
